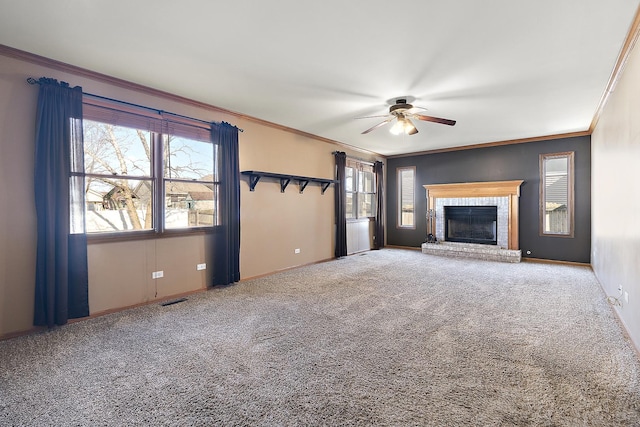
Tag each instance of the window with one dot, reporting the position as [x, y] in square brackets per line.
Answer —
[360, 188]
[350, 188]
[406, 197]
[144, 172]
[556, 194]
[190, 183]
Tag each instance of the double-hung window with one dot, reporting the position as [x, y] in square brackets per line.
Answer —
[143, 171]
[360, 188]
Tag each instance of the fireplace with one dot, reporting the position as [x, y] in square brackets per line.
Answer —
[483, 212]
[503, 194]
[471, 224]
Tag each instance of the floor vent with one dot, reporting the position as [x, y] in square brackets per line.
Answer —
[175, 301]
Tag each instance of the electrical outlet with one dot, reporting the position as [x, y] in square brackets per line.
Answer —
[201, 267]
[297, 250]
[157, 274]
[626, 297]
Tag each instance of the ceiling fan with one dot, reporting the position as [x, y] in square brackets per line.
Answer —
[403, 112]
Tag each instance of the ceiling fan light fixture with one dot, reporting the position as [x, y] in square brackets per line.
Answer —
[398, 127]
[409, 127]
[403, 125]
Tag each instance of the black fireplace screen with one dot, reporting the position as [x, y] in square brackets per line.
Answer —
[471, 224]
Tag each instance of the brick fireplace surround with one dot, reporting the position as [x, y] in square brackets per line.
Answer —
[503, 194]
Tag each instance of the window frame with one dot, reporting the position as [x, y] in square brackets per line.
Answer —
[359, 169]
[570, 157]
[215, 183]
[353, 213]
[162, 128]
[399, 223]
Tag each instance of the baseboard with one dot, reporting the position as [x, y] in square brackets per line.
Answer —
[142, 304]
[413, 248]
[621, 322]
[553, 261]
[625, 330]
[37, 329]
[17, 334]
[285, 269]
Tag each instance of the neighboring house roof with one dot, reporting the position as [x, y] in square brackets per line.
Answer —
[93, 196]
[550, 206]
[191, 188]
[201, 195]
[194, 190]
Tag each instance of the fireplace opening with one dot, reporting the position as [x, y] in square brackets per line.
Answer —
[471, 224]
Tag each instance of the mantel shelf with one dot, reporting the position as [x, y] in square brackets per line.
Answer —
[303, 181]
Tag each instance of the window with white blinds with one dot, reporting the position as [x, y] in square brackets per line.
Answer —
[406, 197]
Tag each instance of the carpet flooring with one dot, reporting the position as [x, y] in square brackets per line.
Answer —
[390, 338]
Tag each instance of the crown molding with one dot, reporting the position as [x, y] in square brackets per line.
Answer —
[616, 74]
[124, 84]
[496, 144]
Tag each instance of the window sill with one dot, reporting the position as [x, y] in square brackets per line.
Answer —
[366, 219]
[564, 236]
[406, 227]
[148, 235]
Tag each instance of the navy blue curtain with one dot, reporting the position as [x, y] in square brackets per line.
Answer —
[340, 204]
[378, 238]
[61, 289]
[227, 241]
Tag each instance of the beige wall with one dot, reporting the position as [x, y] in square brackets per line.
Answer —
[273, 224]
[615, 157]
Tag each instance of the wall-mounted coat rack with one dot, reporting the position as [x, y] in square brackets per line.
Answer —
[303, 181]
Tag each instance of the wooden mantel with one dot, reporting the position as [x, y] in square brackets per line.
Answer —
[510, 189]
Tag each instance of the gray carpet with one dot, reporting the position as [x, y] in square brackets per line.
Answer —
[391, 337]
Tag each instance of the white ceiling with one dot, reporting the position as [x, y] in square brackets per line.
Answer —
[504, 69]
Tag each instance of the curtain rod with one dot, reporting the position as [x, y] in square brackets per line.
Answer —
[33, 81]
[361, 160]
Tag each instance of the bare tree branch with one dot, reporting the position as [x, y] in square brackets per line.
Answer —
[145, 143]
[116, 147]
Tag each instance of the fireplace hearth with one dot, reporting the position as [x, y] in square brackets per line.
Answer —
[471, 224]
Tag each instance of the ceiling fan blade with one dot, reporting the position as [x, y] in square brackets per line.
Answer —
[378, 125]
[434, 119]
